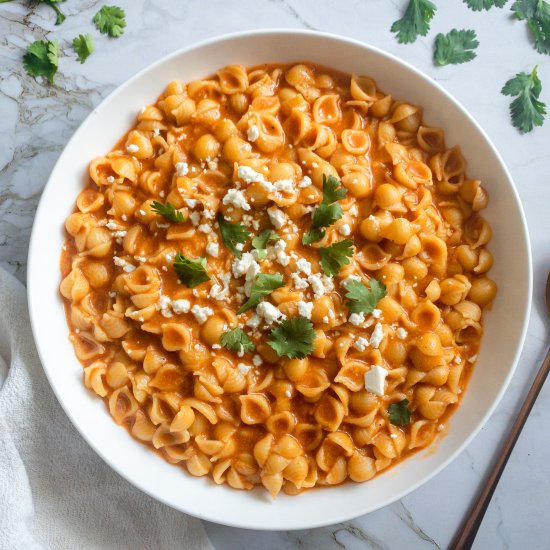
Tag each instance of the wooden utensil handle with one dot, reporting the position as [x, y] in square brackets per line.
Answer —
[466, 536]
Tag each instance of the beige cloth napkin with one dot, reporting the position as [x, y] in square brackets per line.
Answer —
[55, 492]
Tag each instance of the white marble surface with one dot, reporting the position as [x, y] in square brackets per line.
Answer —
[36, 121]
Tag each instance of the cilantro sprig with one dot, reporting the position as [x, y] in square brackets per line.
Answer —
[263, 285]
[478, 5]
[191, 272]
[232, 234]
[53, 4]
[363, 299]
[261, 241]
[537, 15]
[293, 338]
[415, 21]
[399, 413]
[83, 46]
[237, 340]
[168, 211]
[335, 256]
[110, 20]
[526, 110]
[42, 59]
[457, 46]
[328, 211]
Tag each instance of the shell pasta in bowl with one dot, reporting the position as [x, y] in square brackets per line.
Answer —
[280, 280]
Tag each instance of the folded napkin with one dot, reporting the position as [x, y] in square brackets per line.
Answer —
[55, 492]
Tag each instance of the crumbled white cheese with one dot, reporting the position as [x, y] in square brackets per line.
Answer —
[457, 358]
[119, 234]
[218, 292]
[121, 262]
[142, 212]
[288, 393]
[376, 313]
[375, 378]
[299, 283]
[132, 148]
[286, 186]
[195, 218]
[254, 321]
[304, 182]
[237, 199]
[257, 360]
[201, 313]
[279, 248]
[243, 369]
[344, 229]
[249, 175]
[181, 306]
[182, 168]
[377, 335]
[253, 133]
[191, 202]
[110, 179]
[163, 305]
[305, 308]
[302, 265]
[357, 319]
[320, 284]
[276, 217]
[402, 334]
[350, 278]
[111, 225]
[245, 265]
[361, 344]
[269, 312]
[204, 228]
[213, 249]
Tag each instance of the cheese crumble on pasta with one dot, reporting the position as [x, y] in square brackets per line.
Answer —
[277, 277]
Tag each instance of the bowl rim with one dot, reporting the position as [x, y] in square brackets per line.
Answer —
[33, 299]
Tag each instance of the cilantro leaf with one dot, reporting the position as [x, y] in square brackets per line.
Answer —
[110, 20]
[400, 414]
[478, 5]
[327, 212]
[52, 3]
[190, 272]
[526, 110]
[293, 338]
[41, 59]
[415, 21]
[455, 47]
[262, 240]
[264, 284]
[167, 210]
[232, 233]
[363, 299]
[83, 46]
[335, 256]
[236, 340]
[537, 15]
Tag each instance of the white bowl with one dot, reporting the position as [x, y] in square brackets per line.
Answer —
[505, 325]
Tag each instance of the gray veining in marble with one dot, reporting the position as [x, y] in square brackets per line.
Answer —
[37, 120]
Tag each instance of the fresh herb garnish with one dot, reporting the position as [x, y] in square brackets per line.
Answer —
[455, 47]
[110, 20]
[293, 338]
[83, 46]
[52, 3]
[41, 59]
[167, 210]
[232, 234]
[190, 272]
[478, 5]
[335, 256]
[363, 299]
[415, 21]
[262, 240]
[537, 15]
[264, 284]
[236, 340]
[526, 110]
[327, 212]
[400, 414]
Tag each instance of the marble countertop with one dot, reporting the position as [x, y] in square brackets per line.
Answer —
[37, 120]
